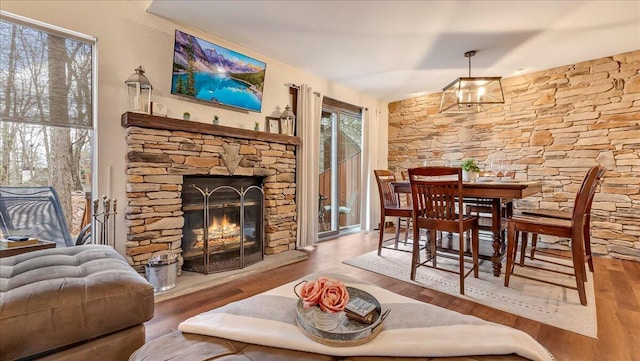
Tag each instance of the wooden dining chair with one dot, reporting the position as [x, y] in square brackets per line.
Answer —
[407, 197]
[566, 215]
[573, 229]
[482, 207]
[390, 207]
[436, 194]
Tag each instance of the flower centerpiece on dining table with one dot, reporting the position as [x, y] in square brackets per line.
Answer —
[328, 297]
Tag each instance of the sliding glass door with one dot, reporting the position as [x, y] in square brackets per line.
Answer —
[340, 171]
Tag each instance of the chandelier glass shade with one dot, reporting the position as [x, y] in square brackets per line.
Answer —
[466, 93]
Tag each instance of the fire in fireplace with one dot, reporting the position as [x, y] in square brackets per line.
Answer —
[221, 233]
[224, 218]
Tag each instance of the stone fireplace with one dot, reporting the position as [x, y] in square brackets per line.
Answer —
[162, 152]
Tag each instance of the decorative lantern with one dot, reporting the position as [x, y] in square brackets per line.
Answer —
[287, 121]
[471, 92]
[139, 89]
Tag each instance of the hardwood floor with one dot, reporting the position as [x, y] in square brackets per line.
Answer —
[617, 289]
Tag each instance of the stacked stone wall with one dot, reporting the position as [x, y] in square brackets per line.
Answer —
[553, 126]
[156, 162]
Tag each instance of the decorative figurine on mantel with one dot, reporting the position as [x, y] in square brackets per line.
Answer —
[216, 120]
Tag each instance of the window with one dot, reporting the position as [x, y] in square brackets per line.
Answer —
[47, 111]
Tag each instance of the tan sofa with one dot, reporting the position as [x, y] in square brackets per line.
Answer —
[76, 303]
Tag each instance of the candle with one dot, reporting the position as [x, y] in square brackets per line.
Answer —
[480, 93]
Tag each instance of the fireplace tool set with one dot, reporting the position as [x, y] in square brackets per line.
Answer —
[104, 222]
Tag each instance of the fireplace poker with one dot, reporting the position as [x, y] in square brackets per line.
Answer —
[115, 205]
[94, 227]
[107, 206]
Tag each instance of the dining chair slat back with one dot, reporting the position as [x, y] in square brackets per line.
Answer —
[388, 198]
[390, 206]
[567, 215]
[585, 214]
[576, 230]
[437, 201]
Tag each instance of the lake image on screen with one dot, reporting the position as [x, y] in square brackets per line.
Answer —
[219, 88]
[211, 73]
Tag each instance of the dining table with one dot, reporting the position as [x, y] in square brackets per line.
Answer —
[496, 194]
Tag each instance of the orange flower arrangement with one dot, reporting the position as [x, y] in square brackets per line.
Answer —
[331, 295]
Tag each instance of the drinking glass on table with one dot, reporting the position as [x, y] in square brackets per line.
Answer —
[504, 168]
[496, 169]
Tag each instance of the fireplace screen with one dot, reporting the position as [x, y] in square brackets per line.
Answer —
[223, 226]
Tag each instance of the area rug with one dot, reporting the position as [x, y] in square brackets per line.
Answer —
[552, 305]
[412, 328]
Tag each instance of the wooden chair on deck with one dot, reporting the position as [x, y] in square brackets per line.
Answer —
[390, 206]
[574, 229]
[437, 206]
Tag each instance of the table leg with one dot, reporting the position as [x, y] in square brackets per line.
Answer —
[508, 214]
[496, 220]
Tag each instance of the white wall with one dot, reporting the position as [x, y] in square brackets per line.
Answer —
[128, 36]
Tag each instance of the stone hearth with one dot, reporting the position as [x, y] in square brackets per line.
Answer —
[160, 151]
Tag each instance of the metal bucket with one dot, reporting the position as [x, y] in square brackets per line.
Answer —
[161, 271]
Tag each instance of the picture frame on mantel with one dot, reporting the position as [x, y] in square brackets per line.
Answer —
[273, 125]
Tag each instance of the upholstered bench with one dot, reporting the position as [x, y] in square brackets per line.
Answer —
[83, 302]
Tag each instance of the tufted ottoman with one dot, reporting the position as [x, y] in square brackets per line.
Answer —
[53, 299]
[191, 347]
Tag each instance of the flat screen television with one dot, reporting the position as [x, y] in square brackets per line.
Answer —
[212, 73]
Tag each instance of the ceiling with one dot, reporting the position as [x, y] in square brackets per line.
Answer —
[394, 50]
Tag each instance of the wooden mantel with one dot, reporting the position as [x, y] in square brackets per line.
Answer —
[130, 119]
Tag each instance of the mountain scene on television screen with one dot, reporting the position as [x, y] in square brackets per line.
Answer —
[189, 56]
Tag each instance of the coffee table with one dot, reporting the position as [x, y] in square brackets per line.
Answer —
[13, 251]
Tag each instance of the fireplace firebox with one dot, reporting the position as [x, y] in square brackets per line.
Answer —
[223, 222]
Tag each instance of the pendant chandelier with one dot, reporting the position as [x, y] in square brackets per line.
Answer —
[465, 93]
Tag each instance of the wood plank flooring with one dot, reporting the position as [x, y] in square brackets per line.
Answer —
[617, 290]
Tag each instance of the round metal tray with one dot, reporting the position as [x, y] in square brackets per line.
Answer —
[349, 332]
